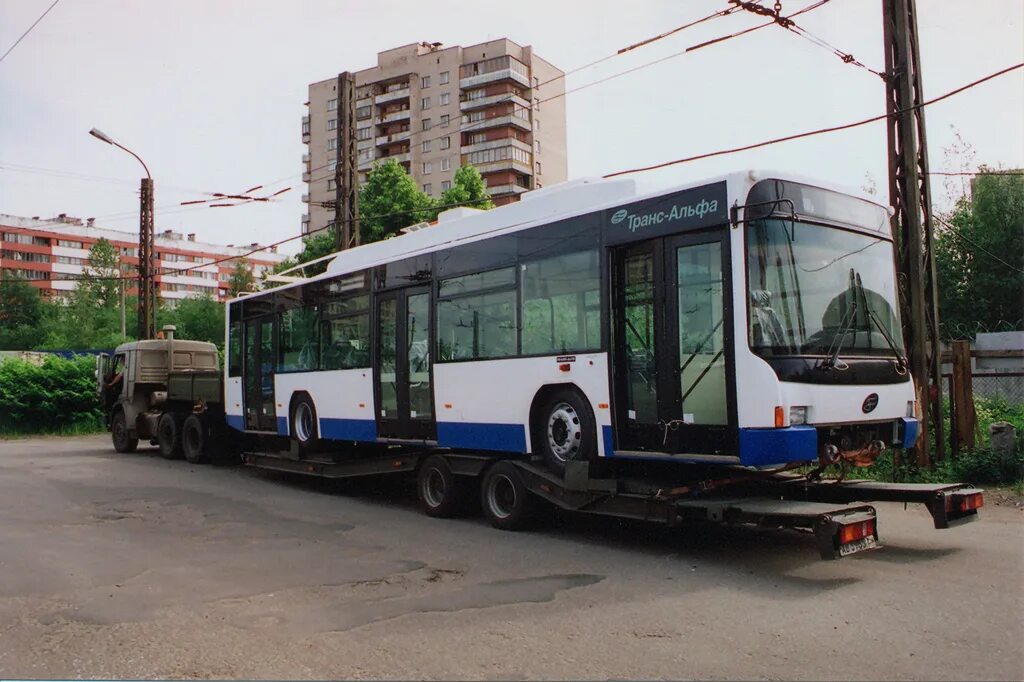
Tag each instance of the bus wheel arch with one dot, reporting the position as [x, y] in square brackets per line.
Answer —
[562, 426]
[304, 425]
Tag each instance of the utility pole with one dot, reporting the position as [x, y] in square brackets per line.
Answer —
[910, 196]
[124, 331]
[147, 283]
[346, 198]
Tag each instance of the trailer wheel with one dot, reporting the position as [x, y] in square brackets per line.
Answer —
[119, 434]
[168, 435]
[506, 501]
[304, 424]
[441, 493]
[564, 430]
[194, 440]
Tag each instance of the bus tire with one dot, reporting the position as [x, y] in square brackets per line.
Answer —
[120, 435]
[441, 493]
[168, 435]
[303, 422]
[194, 440]
[506, 501]
[565, 429]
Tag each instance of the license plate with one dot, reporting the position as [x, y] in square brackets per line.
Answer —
[849, 548]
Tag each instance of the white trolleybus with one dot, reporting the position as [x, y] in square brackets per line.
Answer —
[662, 356]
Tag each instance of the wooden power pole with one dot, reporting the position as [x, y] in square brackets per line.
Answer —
[910, 195]
[346, 199]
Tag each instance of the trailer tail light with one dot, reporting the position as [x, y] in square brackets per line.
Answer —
[965, 502]
[780, 417]
[856, 531]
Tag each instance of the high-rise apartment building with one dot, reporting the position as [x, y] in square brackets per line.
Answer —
[435, 108]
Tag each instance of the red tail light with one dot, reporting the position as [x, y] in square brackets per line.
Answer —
[856, 531]
[969, 502]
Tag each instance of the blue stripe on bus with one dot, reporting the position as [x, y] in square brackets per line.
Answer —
[761, 447]
[348, 429]
[609, 445]
[503, 437]
[236, 421]
[911, 428]
[282, 426]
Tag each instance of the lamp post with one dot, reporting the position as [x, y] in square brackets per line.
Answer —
[147, 284]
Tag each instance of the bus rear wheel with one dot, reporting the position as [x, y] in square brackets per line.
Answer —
[506, 501]
[304, 425]
[194, 440]
[564, 430]
[440, 492]
[168, 435]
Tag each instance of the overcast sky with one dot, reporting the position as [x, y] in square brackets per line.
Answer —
[210, 93]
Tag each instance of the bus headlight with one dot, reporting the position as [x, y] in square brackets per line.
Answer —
[798, 415]
[911, 408]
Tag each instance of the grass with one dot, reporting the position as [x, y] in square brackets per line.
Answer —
[75, 429]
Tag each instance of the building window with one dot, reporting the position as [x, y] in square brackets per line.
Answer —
[477, 138]
[426, 124]
[425, 103]
[443, 79]
[446, 185]
[364, 133]
[538, 168]
[479, 93]
[446, 164]
[426, 145]
[445, 98]
[536, 103]
[332, 144]
[332, 104]
[425, 82]
[536, 125]
[332, 184]
[69, 244]
[538, 146]
[427, 188]
[444, 120]
[332, 166]
[428, 167]
[332, 124]
[364, 111]
[305, 127]
[446, 142]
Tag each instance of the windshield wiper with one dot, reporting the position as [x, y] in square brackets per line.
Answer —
[901, 359]
[831, 362]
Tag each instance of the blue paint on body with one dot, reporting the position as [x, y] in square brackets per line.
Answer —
[236, 421]
[764, 447]
[500, 437]
[282, 426]
[911, 428]
[609, 440]
[348, 429]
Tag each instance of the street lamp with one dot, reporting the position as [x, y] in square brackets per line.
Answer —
[147, 287]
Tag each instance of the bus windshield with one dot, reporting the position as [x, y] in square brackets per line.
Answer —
[814, 290]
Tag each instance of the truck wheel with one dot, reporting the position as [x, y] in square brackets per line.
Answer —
[123, 441]
[441, 493]
[304, 425]
[564, 430]
[194, 440]
[507, 503]
[168, 435]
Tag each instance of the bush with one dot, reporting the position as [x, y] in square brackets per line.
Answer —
[58, 396]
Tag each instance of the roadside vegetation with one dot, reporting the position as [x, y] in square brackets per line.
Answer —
[56, 397]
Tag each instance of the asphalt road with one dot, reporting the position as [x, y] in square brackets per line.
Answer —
[132, 566]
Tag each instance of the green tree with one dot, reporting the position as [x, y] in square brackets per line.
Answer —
[100, 284]
[389, 201]
[468, 189]
[21, 311]
[314, 246]
[979, 257]
[197, 318]
[241, 278]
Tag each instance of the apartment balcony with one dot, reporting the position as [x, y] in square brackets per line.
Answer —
[305, 158]
[402, 115]
[493, 77]
[306, 176]
[497, 121]
[503, 165]
[392, 96]
[365, 165]
[400, 158]
[503, 190]
[494, 144]
[394, 137]
[305, 129]
[305, 198]
[471, 104]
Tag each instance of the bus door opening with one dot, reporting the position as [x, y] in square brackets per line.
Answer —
[404, 372]
[260, 358]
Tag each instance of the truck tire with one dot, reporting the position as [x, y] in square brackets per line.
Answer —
[506, 501]
[120, 435]
[194, 440]
[304, 425]
[564, 430]
[441, 493]
[168, 435]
